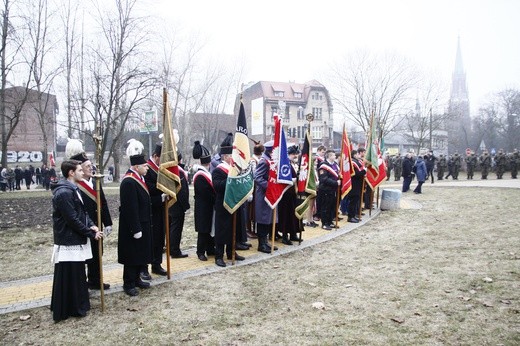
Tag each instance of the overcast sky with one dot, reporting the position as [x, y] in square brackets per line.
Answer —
[289, 40]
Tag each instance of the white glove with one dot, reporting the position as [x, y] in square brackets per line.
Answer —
[250, 198]
[107, 230]
[164, 197]
[138, 235]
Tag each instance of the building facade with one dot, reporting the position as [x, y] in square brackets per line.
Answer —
[293, 101]
[35, 135]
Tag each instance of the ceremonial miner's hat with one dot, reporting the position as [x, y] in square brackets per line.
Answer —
[74, 151]
[202, 153]
[158, 149]
[135, 152]
[226, 147]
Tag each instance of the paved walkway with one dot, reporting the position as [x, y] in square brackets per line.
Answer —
[36, 292]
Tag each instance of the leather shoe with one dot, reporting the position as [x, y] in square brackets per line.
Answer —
[159, 270]
[145, 276]
[96, 287]
[143, 284]
[251, 235]
[353, 220]
[220, 262]
[202, 257]
[286, 241]
[326, 227]
[246, 244]
[179, 255]
[294, 238]
[332, 225]
[132, 292]
[240, 246]
[237, 257]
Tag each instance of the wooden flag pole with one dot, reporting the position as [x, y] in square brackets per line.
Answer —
[97, 139]
[273, 230]
[100, 240]
[234, 237]
[377, 198]
[167, 236]
[337, 205]
[361, 199]
[371, 202]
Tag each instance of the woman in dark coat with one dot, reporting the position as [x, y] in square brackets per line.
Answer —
[288, 223]
[27, 175]
[134, 248]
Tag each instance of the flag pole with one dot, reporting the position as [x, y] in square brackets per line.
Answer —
[234, 237]
[166, 218]
[273, 230]
[361, 199]
[97, 139]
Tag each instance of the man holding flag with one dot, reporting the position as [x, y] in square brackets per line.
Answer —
[239, 188]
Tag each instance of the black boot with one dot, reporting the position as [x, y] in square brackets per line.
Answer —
[264, 246]
[286, 240]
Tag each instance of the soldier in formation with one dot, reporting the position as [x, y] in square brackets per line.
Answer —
[485, 163]
[471, 164]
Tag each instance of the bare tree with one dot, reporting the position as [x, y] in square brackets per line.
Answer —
[119, 80]
[422, 125]
[509, 117]
[40, 48]
[365, 83]
[13, 71]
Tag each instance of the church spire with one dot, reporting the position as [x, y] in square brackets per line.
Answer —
[459, 69]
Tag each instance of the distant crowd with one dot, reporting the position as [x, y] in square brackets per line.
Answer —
[13, 179]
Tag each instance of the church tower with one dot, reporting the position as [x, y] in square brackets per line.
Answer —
[459, 123]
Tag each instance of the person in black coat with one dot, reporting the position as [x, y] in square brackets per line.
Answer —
[429, 160]
[89, 195]
[329, 182]
[354, 195]
[158, 199]
[407, 172]
[27, 176]
[177, 213]
[72, 228]
[223, 219]
[204, 202]
[134, 248]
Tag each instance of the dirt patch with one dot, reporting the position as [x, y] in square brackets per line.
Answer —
[447, 273]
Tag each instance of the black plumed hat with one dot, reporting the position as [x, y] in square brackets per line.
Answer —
[226, 147]
[202, 153]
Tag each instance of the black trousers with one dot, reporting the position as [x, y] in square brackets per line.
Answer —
[93, 273]
[353, 205]
[176, 226]
[157, 236]
[205, 243]
[328, 206]
[131, 275]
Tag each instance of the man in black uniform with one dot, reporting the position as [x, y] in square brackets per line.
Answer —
[223, 219]
[158, 198]
[354, 195]
[329, 182]
[177, 212]
[134, 247]
[204, 202]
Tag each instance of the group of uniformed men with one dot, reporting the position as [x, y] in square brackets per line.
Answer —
[453, 164]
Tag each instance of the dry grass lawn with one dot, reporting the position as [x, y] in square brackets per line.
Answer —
[446, 274]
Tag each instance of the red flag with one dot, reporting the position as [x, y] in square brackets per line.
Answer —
[51, 160]
[345, 164]
[280, 176]
[375, 179]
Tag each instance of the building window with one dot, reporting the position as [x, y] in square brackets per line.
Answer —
[278, 93]
[316, 132]
[297, 95]
[274, 110]
[317, 112]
